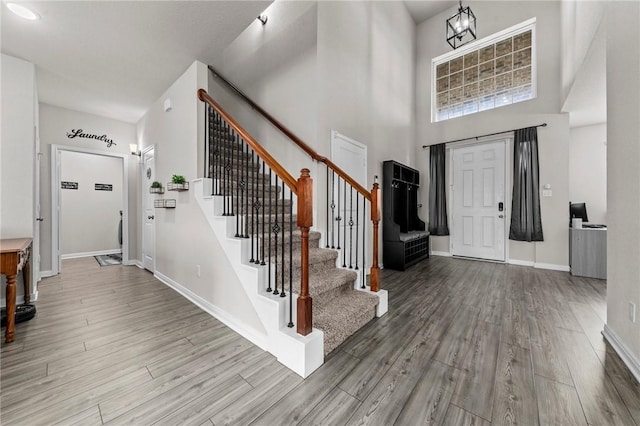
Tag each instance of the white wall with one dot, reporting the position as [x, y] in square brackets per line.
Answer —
[55, 122]
[17, 151]
[553, 140]
[184, 238]
[17, 147]
[623, 173]
[89, 219]
[588, 170]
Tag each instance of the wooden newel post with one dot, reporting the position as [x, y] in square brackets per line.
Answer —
[305, 221]
[374, 278]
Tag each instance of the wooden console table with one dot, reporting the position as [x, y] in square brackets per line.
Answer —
[15, 254]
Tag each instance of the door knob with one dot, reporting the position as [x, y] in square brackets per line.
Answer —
[150, 217]
[500, 216]
[39, 219]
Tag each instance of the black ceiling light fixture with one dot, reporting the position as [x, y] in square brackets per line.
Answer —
[461, 27]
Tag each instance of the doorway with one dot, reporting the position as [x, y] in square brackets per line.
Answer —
[148, 210]
[478, 207]
[350, 156]
[91, 211]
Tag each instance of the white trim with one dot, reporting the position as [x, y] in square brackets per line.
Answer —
[137, 263]
[19, 299]
[521, 262]
[56, 258]
[441, 253]
[625, 354]
[248, 333]
[552, 267]
[89, 254]
[46, 274]
[143, 189]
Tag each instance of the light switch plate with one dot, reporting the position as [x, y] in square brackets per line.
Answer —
[547, 193]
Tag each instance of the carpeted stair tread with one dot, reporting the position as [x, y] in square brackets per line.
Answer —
[340, 317]
[328, 281]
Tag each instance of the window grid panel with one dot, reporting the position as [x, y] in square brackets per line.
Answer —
[489, 77]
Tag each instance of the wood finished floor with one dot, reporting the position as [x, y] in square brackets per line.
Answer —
[463, 343]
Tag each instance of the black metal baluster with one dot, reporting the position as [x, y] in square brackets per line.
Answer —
[256, 207]
[357, 224]
[275, 229]
[344, 216]
[269, 289]
[238, 188]
[282, 293]
[333, 206]
[232, 140]
[263, 209]
[218, 160]
[328, 208]
[350, 226]
[290, 325]
[247, 203]
[227, 159]
[338, 219]
[250, 214]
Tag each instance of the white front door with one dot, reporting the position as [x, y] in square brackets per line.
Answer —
[148, 212]
[351, 157]
[478, 206]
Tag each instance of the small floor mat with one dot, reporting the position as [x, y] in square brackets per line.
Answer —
[109, 259]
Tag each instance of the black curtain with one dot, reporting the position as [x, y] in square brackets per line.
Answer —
[437, 193]
[526, 222]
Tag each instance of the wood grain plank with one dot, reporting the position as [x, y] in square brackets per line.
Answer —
[429, 400]
[548, 358]
[334, 409]
[515, 327]
[456, 416]
[626, 385]
[515, 396]
[558, 404]
[90, 416]
[599, 398]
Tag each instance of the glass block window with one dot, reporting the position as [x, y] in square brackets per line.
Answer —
[496, 71]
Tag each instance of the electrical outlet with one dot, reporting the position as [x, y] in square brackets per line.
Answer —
[632, 312]
[198, 271]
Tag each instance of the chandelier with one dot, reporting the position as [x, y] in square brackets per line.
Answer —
[461, 27]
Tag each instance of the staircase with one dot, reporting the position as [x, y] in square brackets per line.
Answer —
[253, 205]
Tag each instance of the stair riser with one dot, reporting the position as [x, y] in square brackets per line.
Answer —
[296, 241]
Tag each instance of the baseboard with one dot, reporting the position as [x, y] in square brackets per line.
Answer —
[224, 317]
[629, 359]
[89, 254]
[19, 300]
[520, 262]
[46, 274]
[552, 267]
[137, 263]
[440, 253]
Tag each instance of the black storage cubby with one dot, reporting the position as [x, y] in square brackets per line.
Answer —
[405, 240]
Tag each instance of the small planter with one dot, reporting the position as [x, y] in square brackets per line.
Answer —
[153, 190]
[178, 186]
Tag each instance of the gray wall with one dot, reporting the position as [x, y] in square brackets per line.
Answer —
[89, 219]
[55, 122]
[553, 140]
[588, 170]
[623, 173]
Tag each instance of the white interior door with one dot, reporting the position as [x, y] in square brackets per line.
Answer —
[148, 212]
[350, 156]
[478, 207]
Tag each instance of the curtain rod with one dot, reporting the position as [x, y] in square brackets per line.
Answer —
[489, 134]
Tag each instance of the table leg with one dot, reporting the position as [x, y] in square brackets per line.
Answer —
[11, 307]
[26, 275]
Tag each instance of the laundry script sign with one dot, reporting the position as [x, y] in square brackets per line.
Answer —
[79, 133]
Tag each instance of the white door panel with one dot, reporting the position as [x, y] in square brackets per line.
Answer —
[478, 191]
[148, 215]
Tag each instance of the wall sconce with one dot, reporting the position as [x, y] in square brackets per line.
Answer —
[461, 27]
[134, 150]
[262, 18]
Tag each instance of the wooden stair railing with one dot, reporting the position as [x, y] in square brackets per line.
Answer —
[239, 173]
[371, 196]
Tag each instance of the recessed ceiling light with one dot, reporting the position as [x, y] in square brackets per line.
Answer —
[23, 11]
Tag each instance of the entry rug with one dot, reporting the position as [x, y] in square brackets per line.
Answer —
[109, 259]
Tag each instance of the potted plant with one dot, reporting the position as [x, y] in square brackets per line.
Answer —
[156, 188]
[178, 183]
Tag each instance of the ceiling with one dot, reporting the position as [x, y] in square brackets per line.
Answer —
[422, 10]
[115, 58]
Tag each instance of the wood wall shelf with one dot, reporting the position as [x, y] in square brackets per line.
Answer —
[156, 190]
[165, 203]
